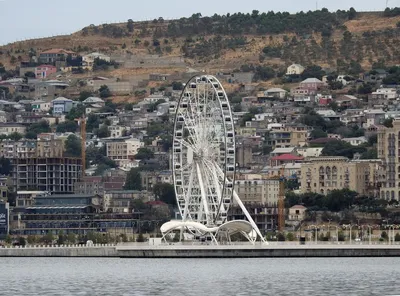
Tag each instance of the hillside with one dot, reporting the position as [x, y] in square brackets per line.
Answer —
[336, 40]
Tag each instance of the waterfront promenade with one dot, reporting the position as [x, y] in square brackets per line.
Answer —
[144, 250]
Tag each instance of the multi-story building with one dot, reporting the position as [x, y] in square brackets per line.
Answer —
[122, 201]
[258, 191]
[123, 151]
[389, 152]
[41, 165]
[43, 71]
[324, 174]
[9, 128]
[54, 55]
[288, 136]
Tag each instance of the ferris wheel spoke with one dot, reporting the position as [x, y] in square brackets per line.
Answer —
[203, 193]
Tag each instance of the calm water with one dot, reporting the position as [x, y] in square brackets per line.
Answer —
[74, 276]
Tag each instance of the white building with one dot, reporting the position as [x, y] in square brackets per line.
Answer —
[88, 60]
[276, 93]
[295, 69]
[116, 131]
[258, 191]
[389, 93]
[356, 141]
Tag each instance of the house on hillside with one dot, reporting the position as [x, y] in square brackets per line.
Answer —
[88, 60]
[55, 55]
[295, 69]
[43, 71]
[312, 84]
[62, 105]
[278, 93]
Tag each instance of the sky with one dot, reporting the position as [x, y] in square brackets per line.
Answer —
[27, 19]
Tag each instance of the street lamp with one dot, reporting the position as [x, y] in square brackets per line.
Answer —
[316, 232]
[369, 234]
[350, 228]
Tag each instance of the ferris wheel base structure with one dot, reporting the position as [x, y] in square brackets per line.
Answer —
[204, 164]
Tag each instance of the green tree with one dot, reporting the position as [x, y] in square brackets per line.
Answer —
[22, 241]
[130, 25]
[280, 237]
[397, 237]
[384, 235]
[128, 107]
[67, 126]
[83, 95]
[8, 239]
[61, 238]
[48, 238]
[318, 133]
[290, 236]
[144, 153]
[37, 128]
[103, 132]
[165, 192]
[104, 91]
[133, 180]
[76, 112]
[32, 239]
[388, 122]
[73, 146]
[15, 136]
[140, 238]
[71, 238]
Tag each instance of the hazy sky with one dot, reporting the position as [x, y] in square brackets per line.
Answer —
[26, 19]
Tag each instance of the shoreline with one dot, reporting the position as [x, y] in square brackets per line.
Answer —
[204, 251]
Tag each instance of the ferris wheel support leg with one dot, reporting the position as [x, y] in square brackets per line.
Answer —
[203, 193]
[246, 213]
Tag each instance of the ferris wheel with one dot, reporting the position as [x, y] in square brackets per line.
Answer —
[204, 160]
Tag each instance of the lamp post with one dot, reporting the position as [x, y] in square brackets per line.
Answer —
[316, 232]
[350, 229]
[369, 233]
[391, 234]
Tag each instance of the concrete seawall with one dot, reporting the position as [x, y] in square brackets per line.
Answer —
[191, 251]
[60, 252]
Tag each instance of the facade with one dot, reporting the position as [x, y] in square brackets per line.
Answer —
[312, 84]
[40, 106]
[43, 71]
[56, 174]
[123, 151]
[297, 213]
[88, 60]
[388, 151]
[278, 93]
[324, 174]
[9, 128]
[25, 148]
[116, 131]
[288, 136]
[62, 105]
[295, 69]
[261, 191]
[89, 185]
[265, 217]
[55, 55]
[122, 201]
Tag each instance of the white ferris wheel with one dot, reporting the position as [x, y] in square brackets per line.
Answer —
[204, 160]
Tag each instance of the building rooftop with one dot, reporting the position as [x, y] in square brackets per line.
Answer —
[287, 157]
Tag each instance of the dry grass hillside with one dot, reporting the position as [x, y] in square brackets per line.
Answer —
[204, 53]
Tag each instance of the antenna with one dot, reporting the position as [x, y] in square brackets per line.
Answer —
[387, 2]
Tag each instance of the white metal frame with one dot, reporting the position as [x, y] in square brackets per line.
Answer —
[204, 160]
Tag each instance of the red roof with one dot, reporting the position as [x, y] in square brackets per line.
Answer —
[287, 157]
[58, 50]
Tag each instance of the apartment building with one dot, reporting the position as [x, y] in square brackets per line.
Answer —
[324, 174]
[123, 151]
[389, 152]
[41, 165]
[258, 191]
[288, 136]
[9, 128]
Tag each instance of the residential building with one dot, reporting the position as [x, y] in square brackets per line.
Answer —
[9, 128]
[4, 219]
[27, 198]
[356, 141]
[54, 55]
[265, 217]
[385, 93]
[324, 174]
[312, 84]
[44, 71]
[88, 60]
[62, 105]
[94, 101]
[3, 116]
[116, 131]
[297, 213]
[40, 106]
[278, 93]
[123, 151]
[258, 191]
[288, 136]
[388, 150]
[295, 69]
[122, 201]
[56, 174]
[90, 185]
